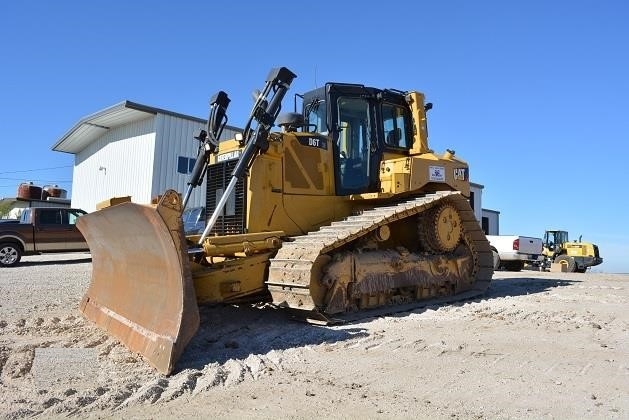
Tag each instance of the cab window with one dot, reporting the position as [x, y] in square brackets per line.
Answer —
[316, 117]
[396, 126]
[73, 215]
[50, 217]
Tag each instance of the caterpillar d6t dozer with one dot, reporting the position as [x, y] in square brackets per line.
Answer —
[343, 210]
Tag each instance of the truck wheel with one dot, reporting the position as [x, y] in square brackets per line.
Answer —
[514, 265]
[567, 261]
[497, 261]
[10, 254]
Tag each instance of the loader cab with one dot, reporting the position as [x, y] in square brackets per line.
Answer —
[555, 238]
[363, 125]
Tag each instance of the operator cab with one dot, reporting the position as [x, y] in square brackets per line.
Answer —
[554, 238]
[363, 123]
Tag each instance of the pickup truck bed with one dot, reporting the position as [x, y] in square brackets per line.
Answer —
[511, 252]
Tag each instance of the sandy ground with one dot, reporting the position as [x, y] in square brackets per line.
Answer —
[537, 345]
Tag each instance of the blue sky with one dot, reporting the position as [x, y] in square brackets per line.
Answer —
[533, 94]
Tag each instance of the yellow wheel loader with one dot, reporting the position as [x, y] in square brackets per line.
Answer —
[345, 210]
[574, 256]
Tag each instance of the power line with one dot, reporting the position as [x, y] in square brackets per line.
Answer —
[63, 181]
[34, 170]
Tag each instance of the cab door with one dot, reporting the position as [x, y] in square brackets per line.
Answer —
[74, 239]
[50, 233]
[355, 144]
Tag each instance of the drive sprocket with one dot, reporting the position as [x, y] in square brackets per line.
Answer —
[441, 229]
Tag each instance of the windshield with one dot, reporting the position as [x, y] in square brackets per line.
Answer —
[556, 237]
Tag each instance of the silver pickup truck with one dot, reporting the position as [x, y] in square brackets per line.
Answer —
[511, 252]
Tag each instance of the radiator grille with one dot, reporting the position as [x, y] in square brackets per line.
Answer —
[232, 219]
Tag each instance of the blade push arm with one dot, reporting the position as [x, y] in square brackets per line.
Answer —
[265, 110]
[208, 140]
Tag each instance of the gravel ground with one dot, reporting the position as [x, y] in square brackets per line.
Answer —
[536, 345]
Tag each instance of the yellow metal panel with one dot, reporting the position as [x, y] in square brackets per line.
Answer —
[399, 183]
[230, 279]
[308, 164]
[424, 173]
[420, 143]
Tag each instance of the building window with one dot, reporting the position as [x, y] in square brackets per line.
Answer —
[185, 165]
[472, 200]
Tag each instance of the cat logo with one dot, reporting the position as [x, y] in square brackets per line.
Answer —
[461, 174]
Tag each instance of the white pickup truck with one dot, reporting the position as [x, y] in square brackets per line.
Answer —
[511, 252]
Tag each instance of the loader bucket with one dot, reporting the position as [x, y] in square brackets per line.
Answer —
[141, 290]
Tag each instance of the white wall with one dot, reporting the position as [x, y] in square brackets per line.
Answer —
[175, 138]
[139, 159]
[120, 163]
[478, 201]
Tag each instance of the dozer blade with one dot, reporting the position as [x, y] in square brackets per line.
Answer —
[141, 290]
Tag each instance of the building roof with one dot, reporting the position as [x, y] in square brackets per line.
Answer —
[93, 126]
[491, 211]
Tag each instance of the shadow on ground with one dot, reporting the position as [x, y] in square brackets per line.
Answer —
[518, 286]
[27, 263]
[236, 332]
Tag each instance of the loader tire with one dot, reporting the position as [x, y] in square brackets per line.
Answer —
[497, 261]
[10, 254]
[567, 261]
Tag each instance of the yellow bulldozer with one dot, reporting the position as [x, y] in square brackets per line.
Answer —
[574, 256]
[343, 210]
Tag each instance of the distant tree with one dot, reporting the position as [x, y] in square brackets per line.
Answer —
[5, 209]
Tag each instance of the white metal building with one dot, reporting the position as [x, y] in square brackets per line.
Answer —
[490, 222]
[133, 150]
[488, 219]
[476, 199]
